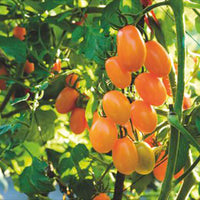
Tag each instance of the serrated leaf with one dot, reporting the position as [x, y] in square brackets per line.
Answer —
[14, 48]
[33, 179]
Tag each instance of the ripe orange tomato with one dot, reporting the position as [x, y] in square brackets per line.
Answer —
[186, 102]
[146, 158]
[3, 82]
[102, 196]
[78, 121]
[143, 116]
[119, 77]
[57, 65]
[131, 48]
[19, 32]
[160, 170]
[167, 85]
[125, 156]
[71, 79]
[157, 59]
[117, 107]
[66, 100]
[95, 117]
[103, 135]
[151, 89]
[29, 67]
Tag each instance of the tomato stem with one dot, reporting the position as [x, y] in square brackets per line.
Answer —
[134, 132]
[178, 9]
[119, 185]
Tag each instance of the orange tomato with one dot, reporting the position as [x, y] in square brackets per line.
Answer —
[131, 48]
[125, 156]
[57, 65]
[71, 79]
[119, 77]
[143, 116]
[160, 170]
[146, 158]
[29, 67]
[3, 82]
[103, 135]
[78, 121]
[117, 107]
[66, 100]
[19, 32]
[186, 102]
[167, 85]
[157, 59]
[102, 196]
[95, 117]
[151, 89]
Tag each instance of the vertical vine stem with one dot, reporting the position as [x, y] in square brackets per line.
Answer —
[119, 186]
[178, 8]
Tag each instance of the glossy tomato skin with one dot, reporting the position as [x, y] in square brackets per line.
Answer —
[143, 116]
[146, 158]
[66, 100]
[29, 67]
[151, 89]
[117, 107]
[167, 85]
[118, 76]
[125, 156]
[103, 135]
[131, 48]
[57, 65]
[157, 59]
[101, 196]
[3, 82]
[19, 32]
[78, 121]
[186, 102]
[71, 79]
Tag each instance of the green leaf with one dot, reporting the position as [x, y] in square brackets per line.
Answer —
[5, 128]
[197, 23]
[197, 122]
[91, 108]
[79, 153]
[33, 179]
[14, 48]
[42, 126]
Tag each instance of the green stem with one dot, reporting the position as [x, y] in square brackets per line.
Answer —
[173, 120]
[149, 8]
[134, 132]
[162, 112]
[178, 9]
[172, 80]
[187, 172]
[105, 172]
[190, 4]
[189, 181]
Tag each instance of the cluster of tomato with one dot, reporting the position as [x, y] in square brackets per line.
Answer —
[66, 102]
[138, 116]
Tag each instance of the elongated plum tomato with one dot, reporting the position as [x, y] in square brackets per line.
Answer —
[102, 196]
[103, 135]
[3, 82]
[151, 89]
[125, 156]
[161, 167]
[186, 102]
[78, 121]
[131, 48]
[66, 100]
[143, 116]
[19, 32]
[29, 67]
[119, 77]
[117, 107]
[146, 158]
[157, 59]
[167, 85]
